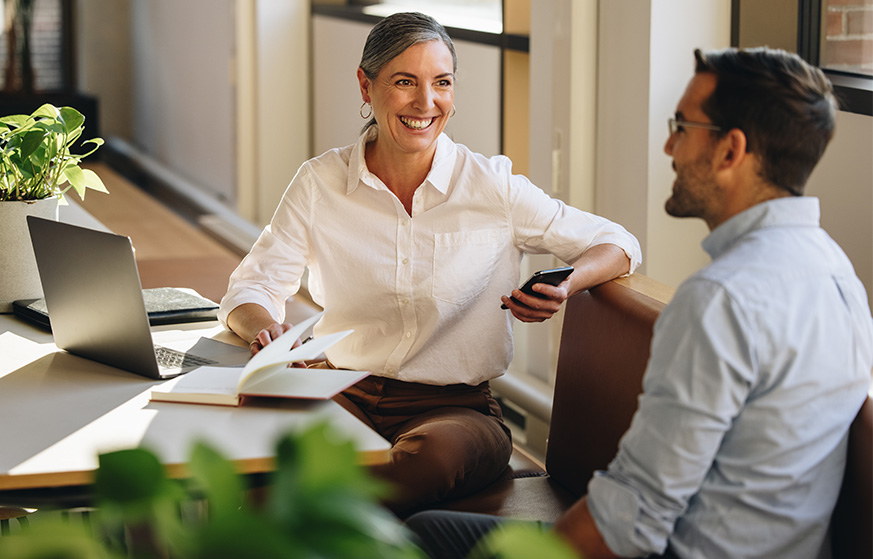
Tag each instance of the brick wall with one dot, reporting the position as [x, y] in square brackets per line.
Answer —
[848, 43]
[46, 46]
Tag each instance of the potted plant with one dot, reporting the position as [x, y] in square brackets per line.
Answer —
[37, 167]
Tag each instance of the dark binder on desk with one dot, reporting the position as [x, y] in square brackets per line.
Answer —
[165, 305]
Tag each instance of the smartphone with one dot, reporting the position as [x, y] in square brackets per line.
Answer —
[552, 277]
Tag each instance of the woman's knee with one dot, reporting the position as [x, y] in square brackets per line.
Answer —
[447, 456]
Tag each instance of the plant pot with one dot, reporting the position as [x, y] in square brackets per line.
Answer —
[19, 277]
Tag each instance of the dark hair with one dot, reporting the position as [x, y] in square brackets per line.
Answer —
[395, 34]
[784, 106]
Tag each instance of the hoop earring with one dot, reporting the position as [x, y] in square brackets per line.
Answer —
[453, 112]
[361, 112]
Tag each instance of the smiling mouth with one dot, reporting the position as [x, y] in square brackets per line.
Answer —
[416, 123]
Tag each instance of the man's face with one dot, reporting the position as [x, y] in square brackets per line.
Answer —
[692, 151]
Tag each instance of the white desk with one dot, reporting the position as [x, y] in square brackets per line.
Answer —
[59, 411]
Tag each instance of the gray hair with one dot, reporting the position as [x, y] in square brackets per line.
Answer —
[396, 33]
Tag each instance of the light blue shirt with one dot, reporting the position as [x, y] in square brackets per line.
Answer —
[758, 367]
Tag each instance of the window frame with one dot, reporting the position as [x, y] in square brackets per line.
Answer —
[854, 91]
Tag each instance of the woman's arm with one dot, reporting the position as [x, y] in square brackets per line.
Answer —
[598, 264]
[254, 324]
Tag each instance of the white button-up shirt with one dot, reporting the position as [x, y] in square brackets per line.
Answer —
[421, 291]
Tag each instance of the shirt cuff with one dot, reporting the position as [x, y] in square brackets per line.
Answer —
[616, 511]
[630, 247]
[232, 301]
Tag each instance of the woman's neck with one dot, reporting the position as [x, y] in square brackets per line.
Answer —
[402, 173]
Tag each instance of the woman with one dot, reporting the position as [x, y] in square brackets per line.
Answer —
[413, 241]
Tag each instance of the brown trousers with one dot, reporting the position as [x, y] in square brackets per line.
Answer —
[447, 441]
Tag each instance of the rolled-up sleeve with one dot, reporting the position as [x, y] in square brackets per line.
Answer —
[698, 378]
[271, 272]
[543, 224]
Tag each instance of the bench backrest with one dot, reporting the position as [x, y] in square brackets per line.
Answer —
[852, 522]
[604, 349]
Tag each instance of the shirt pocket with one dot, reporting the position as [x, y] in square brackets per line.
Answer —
[463, 263]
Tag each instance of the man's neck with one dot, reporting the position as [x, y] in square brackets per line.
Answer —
[744, 198]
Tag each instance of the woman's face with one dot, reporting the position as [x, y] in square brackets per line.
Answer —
[412, 97]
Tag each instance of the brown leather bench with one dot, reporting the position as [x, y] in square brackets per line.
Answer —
[603, 354]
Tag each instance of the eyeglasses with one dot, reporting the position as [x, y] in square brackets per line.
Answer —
[674, 125]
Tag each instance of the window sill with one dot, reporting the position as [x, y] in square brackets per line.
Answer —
[855, 93]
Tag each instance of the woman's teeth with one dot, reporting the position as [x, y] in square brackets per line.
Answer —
[415, 124]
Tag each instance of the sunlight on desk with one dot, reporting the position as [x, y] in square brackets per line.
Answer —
[76, 408]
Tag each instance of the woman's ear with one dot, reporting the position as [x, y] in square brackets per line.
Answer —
[364, 83]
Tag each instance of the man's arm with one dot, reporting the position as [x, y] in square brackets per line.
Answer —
[697, 380]
[578, 528]
[598, 264]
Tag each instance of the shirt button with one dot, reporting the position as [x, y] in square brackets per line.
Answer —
[405, 261]
[404, 301]
[403, 223]
[409, 334]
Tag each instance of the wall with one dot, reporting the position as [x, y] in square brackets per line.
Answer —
[843, 181]
[103, 66]
[643, 68]
[273, 115]
[183, 103]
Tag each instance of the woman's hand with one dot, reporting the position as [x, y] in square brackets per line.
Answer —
[252, 322]
[267, 335]
[598, 264]
[530, 308]
[270, 333]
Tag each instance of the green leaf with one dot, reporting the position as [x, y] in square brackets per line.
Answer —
[217, 478]
[97, 143]
[245, 535]
[77, 178]
[129, 476]
[46, 111]
[517, 540]
[30, 141]
[72, 119]
[14, 121]
[53, 538]
[92, 181]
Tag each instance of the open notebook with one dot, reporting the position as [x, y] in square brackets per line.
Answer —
[266, 374]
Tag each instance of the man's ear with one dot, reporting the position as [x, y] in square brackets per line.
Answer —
[364, 83]
[731, 150]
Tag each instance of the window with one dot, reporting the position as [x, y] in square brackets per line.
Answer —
[846, 40]
[836, 35]
[475, 15]
[45, 50]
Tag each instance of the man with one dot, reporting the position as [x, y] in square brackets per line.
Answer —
[762, 359]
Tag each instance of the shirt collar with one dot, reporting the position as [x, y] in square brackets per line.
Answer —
[780, 212]
[440, 171]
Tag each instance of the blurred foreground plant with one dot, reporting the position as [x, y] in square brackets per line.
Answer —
[321, 504]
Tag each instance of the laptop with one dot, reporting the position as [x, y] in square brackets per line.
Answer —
[94, 297]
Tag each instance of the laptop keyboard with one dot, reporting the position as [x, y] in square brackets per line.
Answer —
[172, 359]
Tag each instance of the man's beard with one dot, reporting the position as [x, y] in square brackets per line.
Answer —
[692, 189]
